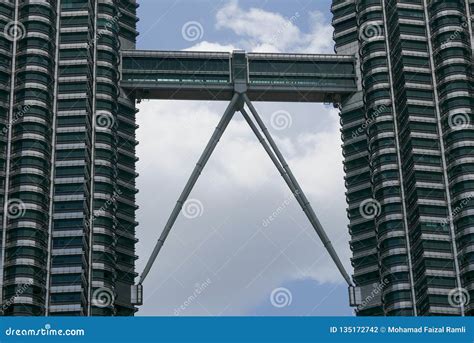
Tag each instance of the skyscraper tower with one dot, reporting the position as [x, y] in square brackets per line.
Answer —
[408, 145]
[67, 155]
[67, 158]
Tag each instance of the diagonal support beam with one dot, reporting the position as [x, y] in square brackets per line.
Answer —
[289, 178]
[272, 155]
[237, 104]
[216, 136]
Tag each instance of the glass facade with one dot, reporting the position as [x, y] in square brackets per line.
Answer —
[407, 143]
[67, 150]
[67, 158]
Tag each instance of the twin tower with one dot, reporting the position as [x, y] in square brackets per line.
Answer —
[70, 77]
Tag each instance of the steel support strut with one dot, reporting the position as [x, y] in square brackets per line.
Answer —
[216, 136]
[237, 103]
[293, 184]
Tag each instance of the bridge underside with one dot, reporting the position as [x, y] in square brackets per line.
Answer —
[241, 78]
[212, 75]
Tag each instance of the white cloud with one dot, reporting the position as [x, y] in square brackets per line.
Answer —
[265, 31]
[240, 187]
[319, 40]
[211, 46]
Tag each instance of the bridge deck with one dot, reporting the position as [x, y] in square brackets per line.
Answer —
[209, 76]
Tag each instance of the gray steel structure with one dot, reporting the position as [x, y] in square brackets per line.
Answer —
[298, 80]
[70, 78]
[186, 75]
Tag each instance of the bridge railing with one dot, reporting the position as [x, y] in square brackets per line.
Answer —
[208, 76]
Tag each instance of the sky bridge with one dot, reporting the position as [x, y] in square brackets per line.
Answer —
[189, 75]
[240, 78]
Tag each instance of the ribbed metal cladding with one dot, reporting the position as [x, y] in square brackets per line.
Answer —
[67, 159]
[358, 177]
[396, 260]
[113, 239]
[452, 50]
[26, 205]
[126, 175]
[416, 72]
[8, 15]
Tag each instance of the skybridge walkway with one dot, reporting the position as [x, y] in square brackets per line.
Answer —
[189, 75]
[242, 79]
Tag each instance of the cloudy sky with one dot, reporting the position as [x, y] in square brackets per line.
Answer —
[248, 249]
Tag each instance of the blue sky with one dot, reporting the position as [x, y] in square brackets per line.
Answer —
[244, 262]
[161, 21]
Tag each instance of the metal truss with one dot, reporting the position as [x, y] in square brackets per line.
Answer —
[237, 103]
